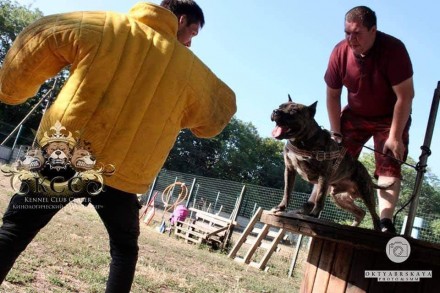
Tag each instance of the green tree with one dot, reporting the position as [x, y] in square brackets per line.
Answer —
[13, 19]
[193, 155]
[237, 154]
[429, 198]
[240, 151]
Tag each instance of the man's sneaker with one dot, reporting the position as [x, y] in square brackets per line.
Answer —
[386, 225]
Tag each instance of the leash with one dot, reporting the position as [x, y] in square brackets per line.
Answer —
[418, 167]
[44, 98]
[339, 138]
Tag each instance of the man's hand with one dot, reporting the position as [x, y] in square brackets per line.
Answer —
[395, 146]
[336, 136]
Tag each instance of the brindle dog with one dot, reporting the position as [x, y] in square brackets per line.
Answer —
[312, 153]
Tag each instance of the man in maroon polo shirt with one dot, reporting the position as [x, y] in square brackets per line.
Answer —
[376, 70]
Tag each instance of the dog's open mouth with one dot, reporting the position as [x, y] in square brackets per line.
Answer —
[278, 131]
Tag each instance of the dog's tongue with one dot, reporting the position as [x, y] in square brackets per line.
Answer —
[277, 131]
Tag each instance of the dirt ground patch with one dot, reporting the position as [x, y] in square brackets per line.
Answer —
[71, 255]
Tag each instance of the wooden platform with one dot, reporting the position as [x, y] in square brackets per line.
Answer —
[339, 256]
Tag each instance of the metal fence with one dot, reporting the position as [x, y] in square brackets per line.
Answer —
[221, 196]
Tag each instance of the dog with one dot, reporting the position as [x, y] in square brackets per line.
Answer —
[82, 159]
[57, 154]
[311, 152]
[32, 161]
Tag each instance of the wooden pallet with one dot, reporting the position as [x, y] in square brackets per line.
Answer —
[205, 227]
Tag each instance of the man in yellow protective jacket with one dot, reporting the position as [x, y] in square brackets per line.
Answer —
[133, 86]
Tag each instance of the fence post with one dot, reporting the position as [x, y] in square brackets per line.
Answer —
[253, 210]
[426, 152]
[17, 137]
[216, 200]
[153, 185]
[295, 255]
[190, 195]
[29, 113]
[238, 204]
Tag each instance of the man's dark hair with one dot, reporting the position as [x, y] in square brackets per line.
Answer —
[193, 12]
[362, 14]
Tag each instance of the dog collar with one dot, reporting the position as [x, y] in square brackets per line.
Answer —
[317, 155]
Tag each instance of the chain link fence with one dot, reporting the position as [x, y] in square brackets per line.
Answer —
[222, 196]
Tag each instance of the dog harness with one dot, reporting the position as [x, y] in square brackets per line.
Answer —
[317, 155]
[320, 155]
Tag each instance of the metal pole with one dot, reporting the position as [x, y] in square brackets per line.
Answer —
[39, 125]
[152, 187]
[238, 204]
[16, 138]
[253, 210]
[190, 195]
[29, 114]
[216, 200]
[423, 159]
[295, 255]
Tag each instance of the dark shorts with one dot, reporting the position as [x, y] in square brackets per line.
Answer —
[357, 130]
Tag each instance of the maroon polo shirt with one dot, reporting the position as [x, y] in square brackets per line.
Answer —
[369, 79]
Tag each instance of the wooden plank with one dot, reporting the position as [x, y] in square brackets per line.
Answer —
[325, 265]
[245, 233]
[382, 263]
[206, 229]
[341, 268]
[262, 264]
[257, 243]
[189, 233]
[189, 237]
[362, 260]
[212, 221]
[431, 285]
[412, 287]
[193, 240]
[364, 238]
[312, 265]
[212, 216]
[270, 234]
[265, 244]
[217, 232]
[356, 251]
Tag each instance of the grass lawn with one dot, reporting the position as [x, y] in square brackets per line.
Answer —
[71, 255]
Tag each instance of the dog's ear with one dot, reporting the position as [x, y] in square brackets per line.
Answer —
[290, 99]
[312, 109]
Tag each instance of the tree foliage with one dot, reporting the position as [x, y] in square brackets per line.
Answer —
[429, 199]
[13, 19]
[237, 154]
